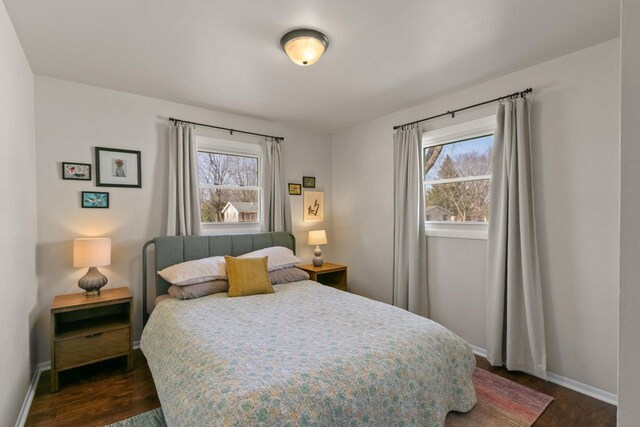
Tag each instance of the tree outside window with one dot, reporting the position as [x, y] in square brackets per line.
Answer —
[456, 179]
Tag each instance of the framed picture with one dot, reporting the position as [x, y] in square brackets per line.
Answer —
[118, 168]
[95, 199]
[313, 205]
[309, 181]
[76, 171]
[295, 189]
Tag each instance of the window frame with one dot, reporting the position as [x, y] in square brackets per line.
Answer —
[448, 135]
[239, 149]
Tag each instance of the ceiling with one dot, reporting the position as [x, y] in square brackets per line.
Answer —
[383, 56]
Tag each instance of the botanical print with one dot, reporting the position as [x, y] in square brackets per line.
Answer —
[313, 205]
[119, 168]
[95, 199]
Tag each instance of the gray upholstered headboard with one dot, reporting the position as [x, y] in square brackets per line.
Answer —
[177, 249]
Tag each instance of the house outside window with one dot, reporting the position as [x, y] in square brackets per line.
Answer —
[230, 185]
[457, 173]
[240, 212]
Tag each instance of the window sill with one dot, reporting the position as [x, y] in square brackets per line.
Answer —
[459, 230]
[210, 228]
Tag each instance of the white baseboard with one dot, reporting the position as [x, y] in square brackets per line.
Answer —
[574, 385]
[479, 351]
[31, 391]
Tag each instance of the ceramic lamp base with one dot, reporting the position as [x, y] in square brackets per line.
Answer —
[317, 259]
[92, 282]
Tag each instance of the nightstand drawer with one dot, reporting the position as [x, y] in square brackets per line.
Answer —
[78, 351]
[329, 274]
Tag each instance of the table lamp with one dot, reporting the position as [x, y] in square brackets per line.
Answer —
[92, 253]
[317, 237]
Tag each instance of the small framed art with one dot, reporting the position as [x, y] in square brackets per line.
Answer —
[313, 205]
[118, 168]
[76, 171]
[95, 199]
[309, 181]
[295, 189]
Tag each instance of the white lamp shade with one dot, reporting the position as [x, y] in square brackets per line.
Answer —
[91, 252]
[317, 237]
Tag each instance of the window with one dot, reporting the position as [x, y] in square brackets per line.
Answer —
[230, 184]
[457, 171]
[456, 180]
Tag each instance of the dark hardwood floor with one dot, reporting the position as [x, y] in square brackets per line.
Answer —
[95, 395]
[103, 393]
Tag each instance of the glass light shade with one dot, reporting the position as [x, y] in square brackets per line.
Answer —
[304, 46]
[317, 237]
[91, 252]
[304, 50]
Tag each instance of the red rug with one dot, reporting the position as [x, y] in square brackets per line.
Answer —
[501, 402]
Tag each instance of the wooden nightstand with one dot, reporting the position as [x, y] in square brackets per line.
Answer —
[334, 275]
[88, 329]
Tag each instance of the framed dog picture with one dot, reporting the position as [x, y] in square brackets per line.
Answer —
[118, 168]
[95, 199]
[313, 205]
[295, 189]
[76, 171]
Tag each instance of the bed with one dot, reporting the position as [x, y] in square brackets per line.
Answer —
[304, 355]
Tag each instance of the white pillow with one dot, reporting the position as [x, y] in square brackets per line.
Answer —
[279, 257]
[196, 271]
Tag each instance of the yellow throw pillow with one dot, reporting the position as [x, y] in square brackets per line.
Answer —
[248, 276]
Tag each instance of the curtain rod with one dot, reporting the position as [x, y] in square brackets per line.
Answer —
[453, 113]
[230, 130]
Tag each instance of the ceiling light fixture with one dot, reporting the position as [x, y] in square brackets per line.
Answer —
[304, 46]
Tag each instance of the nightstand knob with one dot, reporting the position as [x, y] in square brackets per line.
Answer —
[94, 335]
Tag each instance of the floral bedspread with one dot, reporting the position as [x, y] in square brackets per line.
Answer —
[304, 355]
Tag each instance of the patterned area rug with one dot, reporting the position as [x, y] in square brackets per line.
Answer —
[153, 418]
[501, 403]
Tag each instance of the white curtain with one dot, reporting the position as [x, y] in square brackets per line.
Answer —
[183, 217]
[277, 212]
[410, 245]
[515, 323]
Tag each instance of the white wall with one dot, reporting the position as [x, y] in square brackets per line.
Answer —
[575, 133]
[73, 118]
[18, 218]
[629, 370]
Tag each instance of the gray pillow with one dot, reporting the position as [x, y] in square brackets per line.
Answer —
[203, 289]
[199, 289]
[288, 275]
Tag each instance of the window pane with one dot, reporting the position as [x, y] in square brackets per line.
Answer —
[457, 201]
[459, 159]
[225, 169]
[223, 205]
